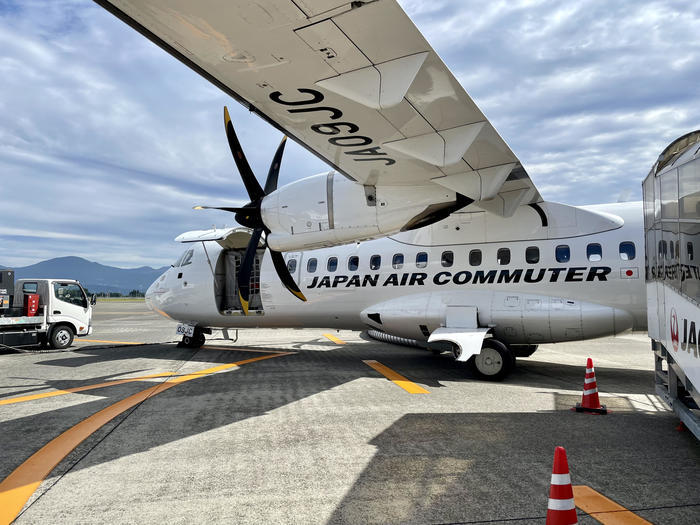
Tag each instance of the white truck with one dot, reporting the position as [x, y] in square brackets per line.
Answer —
[63, 311]
[672, 227]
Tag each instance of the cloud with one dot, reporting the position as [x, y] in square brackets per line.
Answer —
[107, 142]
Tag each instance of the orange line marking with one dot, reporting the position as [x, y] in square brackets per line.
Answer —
[18, 487]
[395, 377]
[335, 339]
[603, 509]
[32, 397]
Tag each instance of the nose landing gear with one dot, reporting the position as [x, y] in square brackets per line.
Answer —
[196, 340]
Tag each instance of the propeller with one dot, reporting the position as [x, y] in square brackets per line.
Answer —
[250, 216]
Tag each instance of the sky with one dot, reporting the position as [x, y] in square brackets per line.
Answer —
[106, 141]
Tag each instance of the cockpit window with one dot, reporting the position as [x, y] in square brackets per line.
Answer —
[187, 259]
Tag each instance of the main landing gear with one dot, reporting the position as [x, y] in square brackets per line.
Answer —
[195, 341]
[494, 362]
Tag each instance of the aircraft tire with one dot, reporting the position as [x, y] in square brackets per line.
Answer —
[61, 337]
[495, 361]
[196, 341]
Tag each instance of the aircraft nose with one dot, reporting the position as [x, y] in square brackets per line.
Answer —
[155, 296]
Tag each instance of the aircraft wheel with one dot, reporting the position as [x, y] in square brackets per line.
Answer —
[195, 341]
[494, 362]
[61, 337]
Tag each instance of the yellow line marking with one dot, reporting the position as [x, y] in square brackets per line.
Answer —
[18, 487]
[239, 349]
[603, 509]
[408, 386]
[114, 342]
[335, 339]
[32, 397]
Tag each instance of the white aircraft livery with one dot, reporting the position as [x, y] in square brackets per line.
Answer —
[427, 227]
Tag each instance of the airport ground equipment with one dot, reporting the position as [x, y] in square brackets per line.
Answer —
[45, 311]
[672, 230]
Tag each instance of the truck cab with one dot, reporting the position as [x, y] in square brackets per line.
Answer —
[46, 311]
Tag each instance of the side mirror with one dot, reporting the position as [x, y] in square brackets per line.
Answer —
[93, 299]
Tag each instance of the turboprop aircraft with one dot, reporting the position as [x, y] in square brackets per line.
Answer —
[427, 226]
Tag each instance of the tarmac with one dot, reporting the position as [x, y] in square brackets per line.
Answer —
[304, 426]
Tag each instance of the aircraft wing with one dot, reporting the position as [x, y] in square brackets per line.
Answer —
[354, 82]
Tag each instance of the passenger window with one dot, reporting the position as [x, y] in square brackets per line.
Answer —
[375, 262]
[332, 264]
[187, 259]
[353, 263]
[503, 256]
[690, 251]
[311, 265]
[627, 251]
[532, 254]
[562, 253]
[292, 265]
[421, 260]
[32, 287]
[475, 257]
[594, 252]
[448, 259]
[397, 261]
[70, 293]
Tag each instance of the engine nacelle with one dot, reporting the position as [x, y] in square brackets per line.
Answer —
[329, 209]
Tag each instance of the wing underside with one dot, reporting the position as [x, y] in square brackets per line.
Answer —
[354, 82]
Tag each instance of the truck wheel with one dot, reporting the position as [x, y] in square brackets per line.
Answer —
[61, 337]
[494, 362]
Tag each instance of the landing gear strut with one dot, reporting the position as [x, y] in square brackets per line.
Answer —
[494, 362]
[195, 341]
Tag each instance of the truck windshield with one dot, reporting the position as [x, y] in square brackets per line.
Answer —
[70, 293]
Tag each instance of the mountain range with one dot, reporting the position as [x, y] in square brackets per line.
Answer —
[94, 276]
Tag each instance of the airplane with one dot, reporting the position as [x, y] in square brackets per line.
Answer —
[427, 226]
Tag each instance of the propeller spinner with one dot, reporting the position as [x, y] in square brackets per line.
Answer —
[250, 216]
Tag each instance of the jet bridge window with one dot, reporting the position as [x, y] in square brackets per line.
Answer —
[475, 257]
[311, 265]
[397, 261]
[332, 264]
[375, 262]
[503, 256]
[627, 251]
[447, 259]
[690, 251]
[292, 265]
[421, 260]
[562, 253]
[532, 254]
[594, 252]
[353, 263]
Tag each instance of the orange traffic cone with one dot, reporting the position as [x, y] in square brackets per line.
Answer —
[561, 509]
[590, 401]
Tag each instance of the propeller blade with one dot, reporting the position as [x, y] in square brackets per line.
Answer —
[246, 270]
[222, 208]
[273, 173]
[284, 275]
[252, 185]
